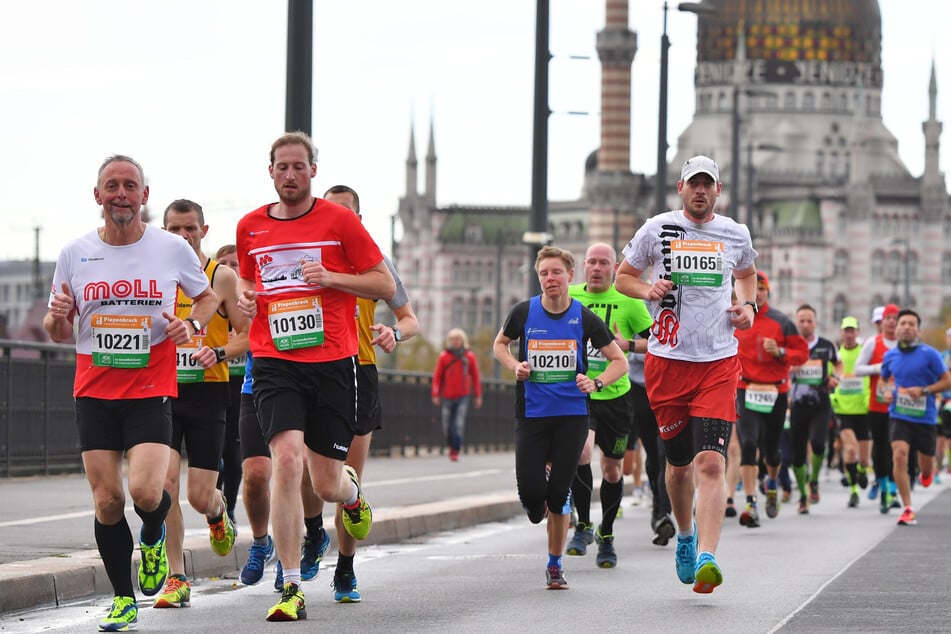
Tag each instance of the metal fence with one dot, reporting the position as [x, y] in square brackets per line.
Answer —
[38, 423]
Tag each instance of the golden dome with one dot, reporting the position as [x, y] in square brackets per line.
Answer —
[793, 30]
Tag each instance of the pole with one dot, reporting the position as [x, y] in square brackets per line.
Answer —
[735, 157]
[539, 213]
[298, 105]
[660, 202]
[499, 252]
[38, 285]
[749, 186]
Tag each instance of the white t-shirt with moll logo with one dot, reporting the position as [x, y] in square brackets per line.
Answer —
[120, 293]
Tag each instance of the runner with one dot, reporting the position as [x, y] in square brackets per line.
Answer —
[551, 395]
[869, 363]
[691, 364]
[303, 261]
[767, 352]
[119, 285]
[850, 405]
[914, 373]
[810, 412]
[610, 418]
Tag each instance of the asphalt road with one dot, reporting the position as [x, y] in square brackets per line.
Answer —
[834, 570]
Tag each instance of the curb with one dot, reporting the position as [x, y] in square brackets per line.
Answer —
[53, 581]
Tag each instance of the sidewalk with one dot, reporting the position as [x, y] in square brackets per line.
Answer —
[411, 497]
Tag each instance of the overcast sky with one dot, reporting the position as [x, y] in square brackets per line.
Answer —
[194, 90]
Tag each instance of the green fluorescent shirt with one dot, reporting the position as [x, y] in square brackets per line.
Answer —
[615, 308]
[851, 396]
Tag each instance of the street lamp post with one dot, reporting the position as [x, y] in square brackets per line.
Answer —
[538, 220]
[700, 9]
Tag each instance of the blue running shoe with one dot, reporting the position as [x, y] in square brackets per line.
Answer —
[873, 491]
[708, 574]
[279, 578]
[258, 557]
[686, 557]
[311, 554]
[345, 588]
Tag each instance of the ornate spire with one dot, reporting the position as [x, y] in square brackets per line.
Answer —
[430, 193]
[411, 177]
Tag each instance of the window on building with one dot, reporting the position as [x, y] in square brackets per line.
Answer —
[789, 100]
[808, 101]
[840, 267]
[912, 265]
[877, 300]
[826, 103]
[473, 233]
[893, 266]
[488, 314]
[722, 102]
[946, 268]
[785, 285]
[472, 314]
[840, 308]
[878, 265]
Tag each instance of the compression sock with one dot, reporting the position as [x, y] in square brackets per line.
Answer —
[152, 521]
[800, 473]
[115, 548]
[853, 470]
[581, 487]
[344, 563]
[611, 494]
[313, 525]
[816, 468]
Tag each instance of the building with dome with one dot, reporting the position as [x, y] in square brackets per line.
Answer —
[788, 100]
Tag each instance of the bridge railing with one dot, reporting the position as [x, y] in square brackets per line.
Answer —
[38, 433]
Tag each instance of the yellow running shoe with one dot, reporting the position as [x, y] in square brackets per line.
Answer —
[359, 519]
[153, 565]
[122, 617]
[221, 533]
[177, 593]
[290, 607]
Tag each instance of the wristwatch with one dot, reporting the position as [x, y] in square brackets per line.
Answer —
[220, 354]
[195, 324]
[397, 334]
[926, 390]
[598, 385]
[753, 304]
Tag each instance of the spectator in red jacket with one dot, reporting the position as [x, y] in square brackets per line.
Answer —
[455, 382]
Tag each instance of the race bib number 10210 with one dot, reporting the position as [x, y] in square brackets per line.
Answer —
[552, 360]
